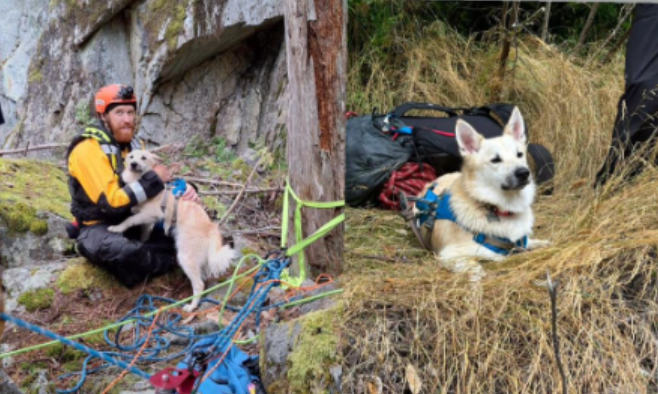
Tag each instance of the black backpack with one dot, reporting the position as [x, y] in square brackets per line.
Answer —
[432, 140]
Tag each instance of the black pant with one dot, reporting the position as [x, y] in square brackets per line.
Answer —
[130, 261]
[636, 126]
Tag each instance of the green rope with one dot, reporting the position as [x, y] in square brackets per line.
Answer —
[298, 248]
[301, 244]
[163, 309]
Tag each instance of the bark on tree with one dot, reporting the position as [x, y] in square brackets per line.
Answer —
[316, 50]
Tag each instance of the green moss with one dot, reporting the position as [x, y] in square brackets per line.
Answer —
[315, 351]
[32, 368]
[65, 354]
[39, 227]
[99, 337]
[39, 184]
[175, 27]
[82, 275]
[20, 217]
[35, 76]
[36, 299]
[171, 13]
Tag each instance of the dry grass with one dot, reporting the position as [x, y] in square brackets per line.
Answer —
[569, 107]
[496, 337]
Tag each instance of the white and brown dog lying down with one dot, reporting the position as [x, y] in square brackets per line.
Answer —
[200, 249]
[484, 211]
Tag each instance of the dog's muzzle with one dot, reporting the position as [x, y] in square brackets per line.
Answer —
[135, 167]
[518, 180]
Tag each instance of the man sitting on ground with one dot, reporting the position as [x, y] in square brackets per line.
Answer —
[101, 199]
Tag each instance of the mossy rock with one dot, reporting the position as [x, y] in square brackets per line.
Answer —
[20, 217]
[27, 188]
[37, 299]
[302, 361]
[82, 275]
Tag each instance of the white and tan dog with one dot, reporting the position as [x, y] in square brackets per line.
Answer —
[490, 197]
[199, 245]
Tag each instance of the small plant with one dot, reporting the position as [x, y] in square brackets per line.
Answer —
[35, 300]
[223, 153]
[83, 114]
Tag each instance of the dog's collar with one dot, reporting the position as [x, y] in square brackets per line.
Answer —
[495, 211]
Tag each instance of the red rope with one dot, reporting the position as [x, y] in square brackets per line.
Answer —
[409, 179]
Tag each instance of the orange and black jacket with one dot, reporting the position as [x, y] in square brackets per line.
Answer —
[95, 162]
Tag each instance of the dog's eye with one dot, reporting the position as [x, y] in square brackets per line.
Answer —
[519, 155]
[497, 159]
[143, 157]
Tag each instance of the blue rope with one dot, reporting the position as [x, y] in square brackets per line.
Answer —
[92, 353]
[212, 343]
[270, 271]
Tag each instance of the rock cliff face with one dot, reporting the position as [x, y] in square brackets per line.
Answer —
[199, 67]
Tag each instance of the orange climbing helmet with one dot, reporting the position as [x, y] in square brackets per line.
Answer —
[114, 94]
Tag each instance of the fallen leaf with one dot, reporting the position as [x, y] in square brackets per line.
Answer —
[374, 385]
[413, 380]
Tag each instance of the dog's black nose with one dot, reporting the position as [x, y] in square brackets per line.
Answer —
[522, 174]
[133, 165]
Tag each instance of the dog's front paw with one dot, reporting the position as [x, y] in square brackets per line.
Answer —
[538, 243]
[189, 308]
[115, 229]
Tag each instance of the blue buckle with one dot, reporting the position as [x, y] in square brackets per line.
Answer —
[179, 187]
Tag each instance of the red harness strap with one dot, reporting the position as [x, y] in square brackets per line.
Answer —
[409, 179]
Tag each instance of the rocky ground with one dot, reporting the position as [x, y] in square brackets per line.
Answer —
[49, 285]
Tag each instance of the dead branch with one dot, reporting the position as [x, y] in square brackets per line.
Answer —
[234, 192]
[211, 181]
[587, 27]
[547, 15]
[27, 148]
[618, 45]
[257, 231]
[623, 16]
[235, 202]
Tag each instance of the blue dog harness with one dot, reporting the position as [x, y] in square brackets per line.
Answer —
[433, 207]
[177, 187]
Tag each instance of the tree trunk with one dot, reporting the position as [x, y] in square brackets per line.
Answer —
[316, 53]
[588, 25]
[547, 15]
[507, 24]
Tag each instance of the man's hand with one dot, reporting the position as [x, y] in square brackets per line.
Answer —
[190, 195]
[163, 172]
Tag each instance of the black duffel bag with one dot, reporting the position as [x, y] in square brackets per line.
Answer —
[370, 158]
[434, 137]
[376, 145]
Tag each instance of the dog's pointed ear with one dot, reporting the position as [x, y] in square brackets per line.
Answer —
[468, 138]
[515, 127]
